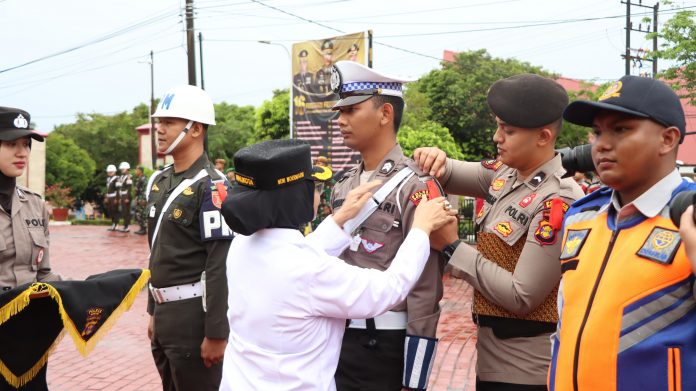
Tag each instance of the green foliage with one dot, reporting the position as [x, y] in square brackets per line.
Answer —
[273, 118]
[429, 134]
[108, 139]
[678, 43]
[234, 130]
[457, 95]
[67, 163]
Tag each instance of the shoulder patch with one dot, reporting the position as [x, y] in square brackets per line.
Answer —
[418, 196]
[660, 246]
[545, 235]
[574, 242]
[537, 179]
[492, 164]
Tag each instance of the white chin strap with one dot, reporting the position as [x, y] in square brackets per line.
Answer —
[179, 138]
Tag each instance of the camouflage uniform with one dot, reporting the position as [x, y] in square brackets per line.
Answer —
[141, 202]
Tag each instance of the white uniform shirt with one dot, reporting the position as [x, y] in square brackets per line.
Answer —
[288, 300]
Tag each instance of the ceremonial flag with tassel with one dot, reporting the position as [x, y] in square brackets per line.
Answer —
[33, 316]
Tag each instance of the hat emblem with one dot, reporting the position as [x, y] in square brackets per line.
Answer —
[21, 122]
[336, 79]
[614, 91]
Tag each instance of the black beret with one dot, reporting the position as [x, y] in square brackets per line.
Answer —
[15, 124]
[527, 100]
[276, 164]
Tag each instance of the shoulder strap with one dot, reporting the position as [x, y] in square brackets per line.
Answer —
[183, 185]
[379, 196]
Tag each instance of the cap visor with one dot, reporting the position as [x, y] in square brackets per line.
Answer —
[14, 134]
[583, 112]
[321, 173]
[351, 100]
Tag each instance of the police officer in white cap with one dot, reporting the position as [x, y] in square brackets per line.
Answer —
[125, 185]
[111, 197]
[395, 350]
[189, 241]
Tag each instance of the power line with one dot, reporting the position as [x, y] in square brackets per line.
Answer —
[340, 31]
[103, 38]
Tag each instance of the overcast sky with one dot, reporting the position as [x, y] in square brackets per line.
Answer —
[107, 44]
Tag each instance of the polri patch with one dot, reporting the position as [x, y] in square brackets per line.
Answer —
[417, 196]
[545, 234]
[498, 184]
[387, 167]
[492, 164]
[504, 228]
[573, 244]
[660, 246]
[371, 246]
[480, 212]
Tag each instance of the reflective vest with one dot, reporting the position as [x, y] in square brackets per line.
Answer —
[628, 314]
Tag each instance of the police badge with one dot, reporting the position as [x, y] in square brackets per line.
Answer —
[336, 79]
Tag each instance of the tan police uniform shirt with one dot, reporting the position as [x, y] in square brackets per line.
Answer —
[514, 207]
[384, 231]
[24, 255]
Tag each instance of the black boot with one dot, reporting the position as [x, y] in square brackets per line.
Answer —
[124, 229]
[141, 231]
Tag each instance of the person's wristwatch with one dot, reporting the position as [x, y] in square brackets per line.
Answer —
[449, 249]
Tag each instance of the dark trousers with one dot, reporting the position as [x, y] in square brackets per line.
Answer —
[125, 211]
[363, 367]
[38, 383]
[495, 386]
[113, 209]
[176, 347]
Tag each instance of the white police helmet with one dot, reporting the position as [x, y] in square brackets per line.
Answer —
[110, 168]
[187, 102]
[124, 166]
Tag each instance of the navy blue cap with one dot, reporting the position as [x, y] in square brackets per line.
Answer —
[639, 96]
[15, 124]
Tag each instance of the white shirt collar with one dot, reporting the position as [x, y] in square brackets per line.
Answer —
[654, 199]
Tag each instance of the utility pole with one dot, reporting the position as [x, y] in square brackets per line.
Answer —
[190, 43]
[153, 136]
[200, 57]
[640, 53]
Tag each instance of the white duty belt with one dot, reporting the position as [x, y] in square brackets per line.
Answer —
[377, 198]
[177, 292]
[388, 321]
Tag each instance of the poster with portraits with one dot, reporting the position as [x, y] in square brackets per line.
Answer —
[312, 98]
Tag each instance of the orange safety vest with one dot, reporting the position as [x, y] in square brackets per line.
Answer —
[628, 314]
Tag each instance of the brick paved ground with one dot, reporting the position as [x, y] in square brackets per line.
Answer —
[122, 360]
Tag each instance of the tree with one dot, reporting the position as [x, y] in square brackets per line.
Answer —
[233, 131]
[679, 44]
[573, 135]
[68, 164]
[108, 139]
[273, 117]
[428, 133]
[457, 95]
